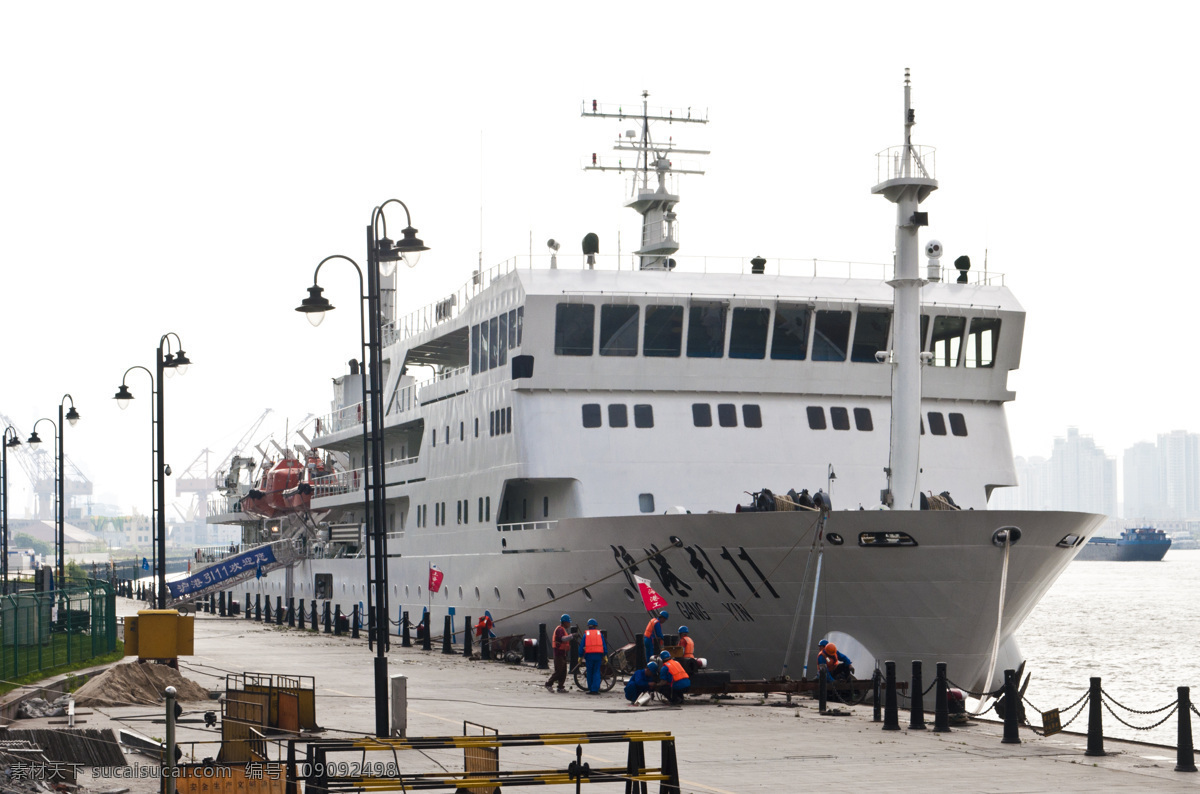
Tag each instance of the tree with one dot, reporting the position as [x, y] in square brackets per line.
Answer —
[30, 542]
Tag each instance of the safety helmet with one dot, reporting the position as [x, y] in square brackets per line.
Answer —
[822, 643]
[683, 630]
[663, 614]
[830, 649]
[592, 622]
[665, 655]
[652, 665]
[565, 619]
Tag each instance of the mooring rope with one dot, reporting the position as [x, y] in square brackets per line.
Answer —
[999, 621]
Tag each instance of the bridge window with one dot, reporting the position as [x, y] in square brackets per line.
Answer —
[816, 417]
[512, 329]
[502, 336]
[701, 414]
[946, 341]
[790, 342]
[982, 342]
[520, 323]
[958, 424]
[831, 335]
[574, 328]
[862, 419]
[618, 415]
[618, 330]
[706, 330]
[591, 415]
[937, 423]
[493, 343]
[839, 418]
[870, 334]
[727, 414]
[663, 331]
[474, 349]
[643, 416]
[751, 416]
[646, 502]
[748, 333]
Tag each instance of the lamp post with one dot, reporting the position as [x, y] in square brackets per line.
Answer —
[10, 439]
[382, 256]
[60, 511]
[167, 364]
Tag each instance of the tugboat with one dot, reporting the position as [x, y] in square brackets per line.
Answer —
[1139, 544]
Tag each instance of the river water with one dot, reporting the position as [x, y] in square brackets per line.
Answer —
[1133, 624]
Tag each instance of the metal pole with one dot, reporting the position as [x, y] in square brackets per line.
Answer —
[4, 504]
[169, 761]
[377, 527]
[59, 556]
[161, 486]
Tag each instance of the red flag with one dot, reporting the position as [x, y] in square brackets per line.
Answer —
[651, 599]
[435, 578]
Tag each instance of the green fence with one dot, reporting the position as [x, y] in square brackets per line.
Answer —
[44, 630]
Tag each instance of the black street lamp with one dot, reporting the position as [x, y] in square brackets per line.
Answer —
[60, 512]
[382, 256]
[167, 364]
[10, 439]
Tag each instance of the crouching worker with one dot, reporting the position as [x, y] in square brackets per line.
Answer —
[675, 680]
[641, 682]
[837, 664]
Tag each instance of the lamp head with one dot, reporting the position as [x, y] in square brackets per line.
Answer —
[387, 256]
[34, 440]
[72, 416]
[123, 397]
[181, 362]
[410, 246]
[169, 365]
[13, 441]
[315, 305]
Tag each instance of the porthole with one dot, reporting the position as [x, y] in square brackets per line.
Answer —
[476, 593]
[629, 594]
[418, 591]
[446, 590]
[460, 594]
[549, 594]
[587, 594]
[520, 593]
[343, 587]
[496, 590]
[395, 588]
[406, 591]
[834, 538]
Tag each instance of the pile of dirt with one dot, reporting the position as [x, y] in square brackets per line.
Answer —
[136, 683]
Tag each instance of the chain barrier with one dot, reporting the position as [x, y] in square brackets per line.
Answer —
[1173, 706]
[1192, 706]
[1063, 726]
[929, 688]
[1135, 711]
[855, 700]
[977, 695]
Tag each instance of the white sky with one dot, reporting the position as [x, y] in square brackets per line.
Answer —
[172, 167]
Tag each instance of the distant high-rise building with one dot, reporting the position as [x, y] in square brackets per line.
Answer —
[1033, 487]
[1178, 474]
[1140, 476]
[1082, 477]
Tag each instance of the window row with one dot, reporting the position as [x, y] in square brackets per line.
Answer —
[463, 508]
[506, 516]
[726, 415]
[791, 332]
[840, 418]
[618, 415]
[492, 339]
[499, 423]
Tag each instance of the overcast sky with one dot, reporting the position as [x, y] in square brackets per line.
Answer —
[172, 167]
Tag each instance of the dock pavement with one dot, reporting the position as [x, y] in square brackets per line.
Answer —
[740, 745]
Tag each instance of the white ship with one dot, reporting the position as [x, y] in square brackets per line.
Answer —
[561, 424]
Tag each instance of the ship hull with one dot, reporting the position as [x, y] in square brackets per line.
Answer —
[1107, 550]
[742, 583]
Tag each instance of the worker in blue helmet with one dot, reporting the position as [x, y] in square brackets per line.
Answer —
[675, 680]
[652, 637]
[594, 650]
[561, 644]
[640, 682]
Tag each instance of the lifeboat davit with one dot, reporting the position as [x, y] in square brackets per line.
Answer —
[286, 487]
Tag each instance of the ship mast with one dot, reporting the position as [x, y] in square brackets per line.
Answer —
[906, 179]
[656, 204]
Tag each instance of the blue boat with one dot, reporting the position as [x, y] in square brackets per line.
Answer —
[1143, 544]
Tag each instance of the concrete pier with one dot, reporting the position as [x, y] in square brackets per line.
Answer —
[745, 744]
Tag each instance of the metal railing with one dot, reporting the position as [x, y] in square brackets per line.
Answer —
[526, 525]
[894, 163]
[42, 631]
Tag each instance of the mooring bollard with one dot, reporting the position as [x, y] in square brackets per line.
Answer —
[941, 705]
[278, 610]
[354, 620]
[1095, 745]
[406, 628]
[1012, 731]
[328, 619]
[467, 638]
[427, 641]
[543, 660]
[447, 645]
[877, 693]
[1185, 758]
[291, 612]
[891, 713]
[916, 699]
[821, 691]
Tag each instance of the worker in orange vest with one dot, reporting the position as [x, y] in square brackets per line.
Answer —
[485, 624]
[594, 650]
[688, 657]
[561, 644]
[675, 680]
[652, 637]
[837, 664]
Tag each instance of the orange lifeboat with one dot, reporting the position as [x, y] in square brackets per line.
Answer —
[286, 487]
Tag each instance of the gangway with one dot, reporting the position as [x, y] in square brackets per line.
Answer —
[233, 569]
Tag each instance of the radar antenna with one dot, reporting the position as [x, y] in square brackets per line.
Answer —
[656, 205]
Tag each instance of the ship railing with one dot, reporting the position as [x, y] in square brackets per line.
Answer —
[340, 482]
[403, 400]
[343, 418]
[526, 525]
[449, 307]
[221, 505]
[899, 162]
